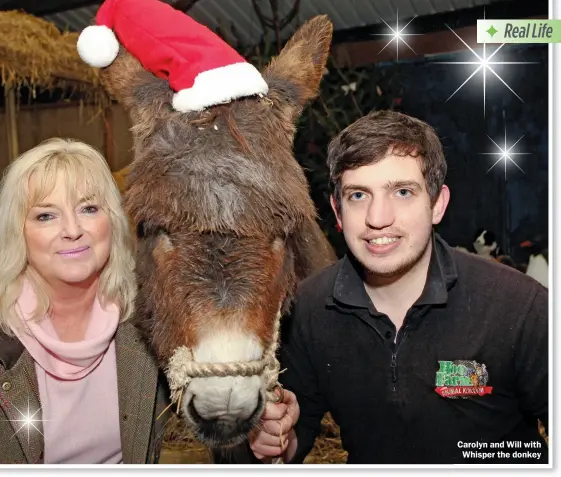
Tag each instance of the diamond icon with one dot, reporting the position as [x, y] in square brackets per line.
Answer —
[492, 31]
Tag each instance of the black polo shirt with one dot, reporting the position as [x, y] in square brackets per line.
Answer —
[465, 381]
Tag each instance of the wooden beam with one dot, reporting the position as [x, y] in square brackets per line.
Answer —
[41, 106]
[54, 105]
[108, 142]
[11, 123]
[362, 53]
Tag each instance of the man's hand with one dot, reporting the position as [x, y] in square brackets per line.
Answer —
[275, 435]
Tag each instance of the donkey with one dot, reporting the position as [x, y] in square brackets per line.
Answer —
[225, 230]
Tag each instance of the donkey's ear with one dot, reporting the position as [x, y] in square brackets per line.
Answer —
[145, 97]
[297, 71]
[133, 86]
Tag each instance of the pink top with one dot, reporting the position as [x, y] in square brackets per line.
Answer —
[77, 386]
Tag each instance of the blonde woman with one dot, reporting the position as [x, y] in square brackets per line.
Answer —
[77, 384]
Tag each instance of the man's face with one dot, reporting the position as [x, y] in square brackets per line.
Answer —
[386, 214]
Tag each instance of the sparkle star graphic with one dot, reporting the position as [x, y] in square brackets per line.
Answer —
[485, 65]
[397, 35]
[26, 420]
[505, 154]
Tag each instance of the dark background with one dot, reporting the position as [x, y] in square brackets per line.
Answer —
[516, 208]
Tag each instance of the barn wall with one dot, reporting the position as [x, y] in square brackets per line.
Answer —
[3, 142]
[36, 124]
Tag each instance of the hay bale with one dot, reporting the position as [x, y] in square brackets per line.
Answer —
[35, 54]
[180, 446]
[177, 434]
[327, 448]
[541, 430]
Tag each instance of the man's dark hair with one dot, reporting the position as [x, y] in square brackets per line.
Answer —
[370, 138]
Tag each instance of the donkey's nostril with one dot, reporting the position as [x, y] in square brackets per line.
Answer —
[193, 411]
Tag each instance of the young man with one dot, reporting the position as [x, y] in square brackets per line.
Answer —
[422, 354]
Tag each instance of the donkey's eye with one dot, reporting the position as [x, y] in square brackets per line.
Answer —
[140, 233]
[142, 230]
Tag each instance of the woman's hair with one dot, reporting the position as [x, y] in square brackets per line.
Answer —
[86, 174]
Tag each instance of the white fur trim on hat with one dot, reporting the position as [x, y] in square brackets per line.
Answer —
[220, 85]
[98, 46]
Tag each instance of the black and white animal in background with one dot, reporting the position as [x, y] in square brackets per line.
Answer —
[538, 263]
[485, 244]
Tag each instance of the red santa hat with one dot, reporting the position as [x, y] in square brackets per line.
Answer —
[201, 68]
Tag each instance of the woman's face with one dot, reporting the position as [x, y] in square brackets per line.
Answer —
[67, 241]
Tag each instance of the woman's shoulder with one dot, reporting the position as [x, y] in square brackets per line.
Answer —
[11, 350]
[134, 353]
[128, 335]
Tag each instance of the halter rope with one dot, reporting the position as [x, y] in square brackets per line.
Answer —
[182, 368]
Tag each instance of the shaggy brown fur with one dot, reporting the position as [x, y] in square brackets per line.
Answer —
[225, 223]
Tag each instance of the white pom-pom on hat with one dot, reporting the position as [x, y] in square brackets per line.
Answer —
[98, 46]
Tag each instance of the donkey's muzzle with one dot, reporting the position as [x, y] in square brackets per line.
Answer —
[225, 429]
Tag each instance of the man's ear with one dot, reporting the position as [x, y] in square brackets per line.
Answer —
[441, 204]
[336, 211]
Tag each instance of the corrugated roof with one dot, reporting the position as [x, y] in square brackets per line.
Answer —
[73, 20]
[345, 14]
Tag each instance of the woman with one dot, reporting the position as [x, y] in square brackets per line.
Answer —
[77, 384]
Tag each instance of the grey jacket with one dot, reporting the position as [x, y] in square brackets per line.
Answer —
[143, 395]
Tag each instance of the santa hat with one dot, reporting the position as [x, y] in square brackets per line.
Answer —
[201, 68]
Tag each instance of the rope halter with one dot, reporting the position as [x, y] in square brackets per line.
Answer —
[182, 369]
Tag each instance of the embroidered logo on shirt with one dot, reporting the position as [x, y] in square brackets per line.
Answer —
[461, 378]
